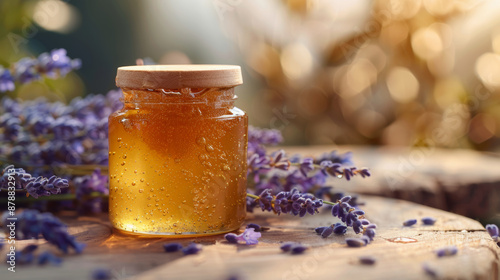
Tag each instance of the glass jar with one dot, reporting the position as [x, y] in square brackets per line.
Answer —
[177, 151]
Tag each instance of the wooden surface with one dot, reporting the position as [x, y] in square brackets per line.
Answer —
[134, 258]
[460, 181]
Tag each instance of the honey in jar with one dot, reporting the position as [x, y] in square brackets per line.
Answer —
[177, 151]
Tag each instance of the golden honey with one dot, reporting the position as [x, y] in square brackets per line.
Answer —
[177, 160]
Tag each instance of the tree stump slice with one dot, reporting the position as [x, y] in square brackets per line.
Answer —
[460, 181]
[143, 258]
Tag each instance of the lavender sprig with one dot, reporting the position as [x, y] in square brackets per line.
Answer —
[292, 202]
[260, 163]
[297, 203]
[52, 65]
[31, 224]
[35, 186]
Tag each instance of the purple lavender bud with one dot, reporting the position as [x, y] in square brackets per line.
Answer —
[365, 239]
[429, 270]
[348, 174]
[192, 249]
[327, 232]
[48, 258]
[367, 260]
[370, 233]
[256, 227]
[339, 229]
[410, 222]
[172, 247]
[357, 226]
[355, 242]
[373, 226]
[306, 166]
[29, 249]
[364, 172]
[447, 251]
[285, 247]
[298, 249]
[31, 224]
[6, 80]
[102, 274]
[319, 230]
[231, 238]
[345, 199]
[428, 221]
[335, 210]
[279, 155]
[22, 258]
[358, 212]
[492, 230]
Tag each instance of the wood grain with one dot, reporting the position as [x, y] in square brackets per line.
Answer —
[143, 258]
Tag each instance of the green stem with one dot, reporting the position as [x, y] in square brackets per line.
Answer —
[329, 202]
[252, 195]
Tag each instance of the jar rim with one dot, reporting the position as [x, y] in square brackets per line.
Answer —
[178, 76]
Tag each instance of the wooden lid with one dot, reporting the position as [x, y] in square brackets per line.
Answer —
[178, 76]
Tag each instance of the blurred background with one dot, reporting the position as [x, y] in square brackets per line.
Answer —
[386, 72]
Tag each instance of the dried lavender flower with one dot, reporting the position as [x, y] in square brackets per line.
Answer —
[256, 227]
[367, 260]
[293, 247]
[355, 242]
[428, 221]
[410, 222]
[231, 238]
[320, 230]
[298, 249]
[31, 224]
[48, 258]
[293, 202]
[370, 233]
[327, 232]
[35, 186]
[429, 270]
[249, 236]
[52, 65]
[447, 251]
[287, 246]
[102, 274]
[192, 249]
[339, 229]
[172, 247]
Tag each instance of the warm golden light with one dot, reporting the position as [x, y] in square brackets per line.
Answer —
[488, 69]
[296, 61]
[402, 85]
[426, 43]
[56, 15]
